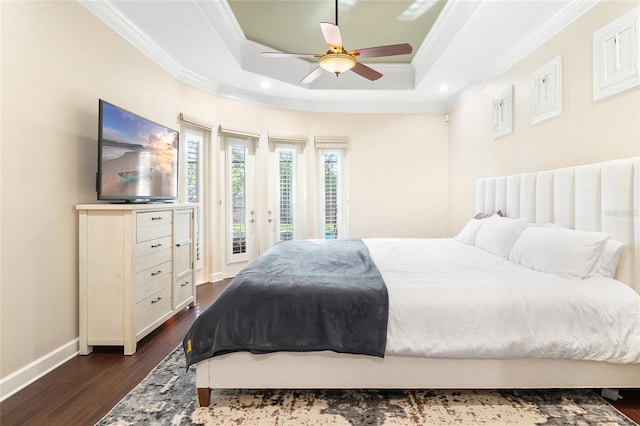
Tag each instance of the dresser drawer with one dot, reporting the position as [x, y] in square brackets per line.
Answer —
[153, 232]
[182, 289]
[152, 246]
[152, 280]
[152, 308]
[152, 259]
[153, 218]
[153, 273]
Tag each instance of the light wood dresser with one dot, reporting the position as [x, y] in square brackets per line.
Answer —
[136, 270]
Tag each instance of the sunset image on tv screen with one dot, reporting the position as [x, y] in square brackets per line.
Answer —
[139, 157]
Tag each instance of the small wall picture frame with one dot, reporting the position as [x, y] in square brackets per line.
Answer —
[546, 91]
[503, 112]
[616, 52]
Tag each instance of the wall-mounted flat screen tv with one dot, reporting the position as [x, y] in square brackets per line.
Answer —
[137, 158]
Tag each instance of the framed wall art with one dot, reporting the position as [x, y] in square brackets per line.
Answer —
[616, 51]
[546, 91]
[503, 112]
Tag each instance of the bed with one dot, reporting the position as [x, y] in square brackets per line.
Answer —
[505, 318]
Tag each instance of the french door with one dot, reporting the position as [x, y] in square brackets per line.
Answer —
[286, 196]
[240, 233]
[257, 216]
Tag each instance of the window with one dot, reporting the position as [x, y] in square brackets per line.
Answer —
[193, 169]
[286, 211]
[286, 194]
[331, 172]
[192, 183]
[239, 199]
[333, 198]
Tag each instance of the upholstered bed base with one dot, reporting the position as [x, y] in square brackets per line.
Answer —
[328, 370]
[597, 197]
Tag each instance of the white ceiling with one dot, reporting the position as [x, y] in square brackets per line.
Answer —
[470, 43]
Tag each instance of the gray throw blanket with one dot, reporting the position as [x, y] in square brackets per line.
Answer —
[308, 295]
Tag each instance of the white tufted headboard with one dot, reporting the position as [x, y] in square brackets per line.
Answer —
[596, 197]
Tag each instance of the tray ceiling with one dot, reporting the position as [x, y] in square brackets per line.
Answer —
[458, 46]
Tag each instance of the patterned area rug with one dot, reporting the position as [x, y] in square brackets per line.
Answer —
[168, 397]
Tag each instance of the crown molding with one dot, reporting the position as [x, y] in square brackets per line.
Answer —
[381, 105]
[574, 10]
[454, 15]
[196, 80]
[223, 22]
[107, 13]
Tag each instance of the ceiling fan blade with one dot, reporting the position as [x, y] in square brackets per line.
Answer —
[366, 72]
[331, 33]
[378, 51]
[289, 55]
[312, 76]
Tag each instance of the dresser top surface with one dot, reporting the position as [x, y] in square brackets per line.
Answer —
[133, 206]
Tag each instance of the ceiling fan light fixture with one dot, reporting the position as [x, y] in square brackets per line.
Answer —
[337, 62]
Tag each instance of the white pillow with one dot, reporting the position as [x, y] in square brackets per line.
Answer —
[498, 234]
[559, 251]
[469, 232]
[608, 262]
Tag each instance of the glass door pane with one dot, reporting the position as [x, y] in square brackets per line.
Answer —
[286, 174]
[331, 170]
[240, 197]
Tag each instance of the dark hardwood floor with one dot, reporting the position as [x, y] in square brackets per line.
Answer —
[629, 404]
[84, 389]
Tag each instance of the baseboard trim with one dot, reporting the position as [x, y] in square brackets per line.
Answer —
[31, 372]
[216, 276]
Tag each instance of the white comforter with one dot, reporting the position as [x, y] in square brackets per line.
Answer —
[451, 300]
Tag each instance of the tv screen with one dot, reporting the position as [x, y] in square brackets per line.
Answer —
[137, 158]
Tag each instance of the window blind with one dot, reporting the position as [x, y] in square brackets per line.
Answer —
[331, 173]
[287, 139]
[239, 199]
[331, 142]
[238, 133]
[195, 121]
[286, 194]
[193, 189]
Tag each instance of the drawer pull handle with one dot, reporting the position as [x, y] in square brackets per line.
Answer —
[153, 274]
[156, 218]
[156, 300]
[156, 245]
[178, 245]
[184, 284]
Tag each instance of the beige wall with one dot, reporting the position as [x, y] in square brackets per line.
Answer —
[397, 172]
[585, 132]
[57, 60]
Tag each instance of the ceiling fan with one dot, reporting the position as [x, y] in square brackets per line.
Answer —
[338, 60]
